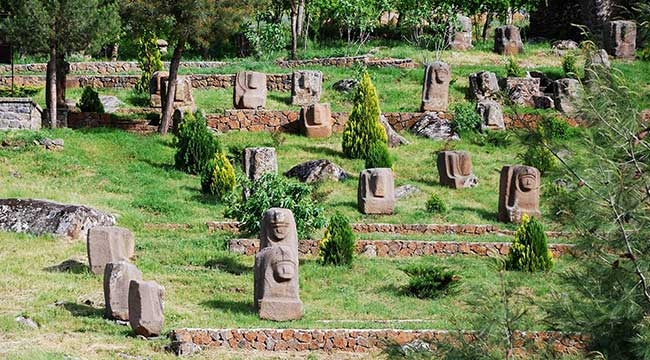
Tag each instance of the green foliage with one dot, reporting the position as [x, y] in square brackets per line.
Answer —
[499, 139]
[195, 145]
[19, 91]
[378, 156]
[540, 157]
[429, 281]
[337, 246]
[513, 69]
[266, 39]
[363, 128]
[552, 127]
[270, 191]
[435, 205]
[569, 66]
[218, 177]
[529, 249]
[90, 102]
[149, 60]
[466, 119]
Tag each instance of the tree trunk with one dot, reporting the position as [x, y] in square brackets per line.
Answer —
[301, 19]
[61, 73]
[294, 30]
[486, 26]
[168, 108]
[50, 92]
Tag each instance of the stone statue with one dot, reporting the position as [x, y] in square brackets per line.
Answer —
[462, 39]
[276, 268]
[250, 90]
[492, 115]
[317, 121]
[620, 40]
[183, 98]
[455, 169]
[155, 88]
[376, 193]
[518, 193]
[435, 90]
[307, 87]
[507, 40]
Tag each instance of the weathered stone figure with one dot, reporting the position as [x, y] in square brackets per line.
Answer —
[492, 115]
[276, 268]
[108, 244]
[317, 120]
[565, 93]
[307, 87]
[518, 193]
[146, 302]
[620, 39]
[376, 191]
[462, 39]
[250, 90]
[483, 85]
[155, 88]
[117, 279]
[435, 89]
[507, 40]
[455, 170]
[183, 98]
[259, 161]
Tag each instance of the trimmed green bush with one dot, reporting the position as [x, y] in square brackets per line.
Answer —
[378, 156]
[466, 119]
[427, 281]
[569, 66]
[90, 102]
[363, 128]
[435, 205]
[195, 145]
[218, 177]
[513, 69]
[529, 249]
[337, 246]
[552, 127]
[540, 157]
[272, 190]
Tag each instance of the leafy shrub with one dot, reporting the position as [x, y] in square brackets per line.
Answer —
[337, 246]
[20, 91]
[149, 60]
[529, 249]
[266, 38]
[500, 139]
[569, 66]
[90, 102]
[540, 157]
[552, 127]
[195, 145]
[218, 177]
[466, 119]
[644, 54]
[272, 190]
[513, 69]
[427, 281]
[435, 205]
[363, 128]
[378, 156]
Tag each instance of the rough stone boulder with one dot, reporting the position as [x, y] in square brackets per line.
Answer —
[41, 217]
[394, 139]
[111, 103]
[317, 170]
[432, 126]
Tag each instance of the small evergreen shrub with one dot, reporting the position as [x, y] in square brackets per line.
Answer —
[272, 190]
[540, 157]
[435, 205]
[529, 249]
[552, 127]
[19, 91]
[499, 139]
[466, 119]
[218, 177]
[513, 69]
[569, 66]
[337, 246]
[427, 281]
[195, 145]
[90, 102]
[378, 156]
[363, 128]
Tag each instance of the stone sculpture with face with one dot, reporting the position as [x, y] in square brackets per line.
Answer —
[376, 194]
[518, 193]
[455, 169]
[435, 89]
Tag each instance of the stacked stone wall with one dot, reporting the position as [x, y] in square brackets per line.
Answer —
[19, 113]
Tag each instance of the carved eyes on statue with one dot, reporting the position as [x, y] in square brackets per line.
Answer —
[442, 75]
[527, 182]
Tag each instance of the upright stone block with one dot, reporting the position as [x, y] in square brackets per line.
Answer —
[259, 161]
[307, 87]
[518, 193]
[435, 89]
[492, 115]
[155, 88]
[596, 64]
[108, 244]
[277, 292]
[462, 39]
[376, 191]
[250, 90]
[317, 121]
[507, 40]
[620, 39]
[117, 279]
[483, 85]
[522, 91]
[146, 302]
[455, 170]
[566, 93]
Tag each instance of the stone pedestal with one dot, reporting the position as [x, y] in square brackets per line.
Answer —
[507, 40]
[376, 191]
[146, 302]
[455, 170]
[117, 279]
[518, 193]
[306, 88]
[620, 39]
[108, 244]
[317, 121]
[435, 89]
[250, 90]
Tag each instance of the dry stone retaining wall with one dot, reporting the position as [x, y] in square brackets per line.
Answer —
[19, 113]
[352, 340]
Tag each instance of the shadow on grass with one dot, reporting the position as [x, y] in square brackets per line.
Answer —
[70, 266]
[351, 204]
[482, 213]
[281, 98]
[83, 310]
[324, 151]
[228, 264]
[240, 307]
[162, 166]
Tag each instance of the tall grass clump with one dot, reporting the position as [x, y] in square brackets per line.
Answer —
[195, 145]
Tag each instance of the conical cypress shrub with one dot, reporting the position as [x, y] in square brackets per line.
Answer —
[529, 249]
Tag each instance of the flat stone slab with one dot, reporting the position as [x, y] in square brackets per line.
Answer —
[40, 217]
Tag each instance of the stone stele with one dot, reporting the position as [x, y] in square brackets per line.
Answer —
[146, 302]
[277, 292]
[567, 93]
[483, 85]
[492, 115]
[435, 89]
[259, 161]
[518, 193]
[108, 244]
[621, 39]
[183, 97]
[462, 39]
[317, 120]
[117, 278]
[455, 169]
[376, 191]
[307, 86]
[507, 40]
[155, 88]
[250, 90]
